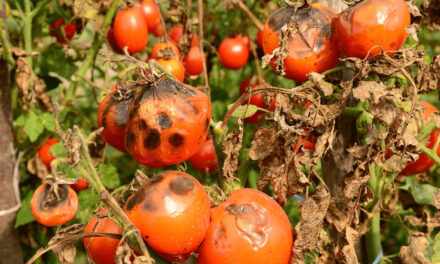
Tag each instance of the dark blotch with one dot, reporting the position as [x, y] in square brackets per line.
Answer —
[121, 112]
[181, 185]
[153, 139]
[147, 237]
[207, 123]
[142, 125]
[129, 140]
[133, 112]
[148, 202]
[136, 199]
[164, 121]
[176, 140]
[155, 179]
[280, 18]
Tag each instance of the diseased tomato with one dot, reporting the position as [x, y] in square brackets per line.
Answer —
[158, 31]
[112, 116]
[370, 23]
[257, 100]
[52, 210]
[151, 13]
[69, 30]
[249, 228]
[260, 38]
[193, 61]
[44, 152]
[175, 67]
[102, 249]
[176, 33]
[161, 48]
[167, 123]
[205, 159]
[130, 29]
[234, 52]
[82, 184]
[172, 213]
[112, 41]
[314, 24]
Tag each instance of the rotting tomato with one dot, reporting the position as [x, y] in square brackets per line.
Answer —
[69, 30]
[257, 100]
[161, 49]
[249, 228]
[171, 211]
[234, 52]
[44, 152]
[193, 61]
[81, 184]
[176, 33]
[372, 23]
[130, 30]
[205, 159]
[112, 41]
[175, 67]
[317, 54]
[151, 13]
[52, 210]
[167, 123]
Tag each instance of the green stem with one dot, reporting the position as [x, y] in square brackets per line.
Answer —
[27, 30]
[219, 135]
[39, 7]
[426, 131]
[5, 44]
[352, 111]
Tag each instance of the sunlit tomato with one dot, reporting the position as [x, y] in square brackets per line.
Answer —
[314, 24]
[175, 67]
[82, 184]
[161, 48]
[158, 31]
[205, 159]
[193, 61]
[257, 100]
[249, 228]
[112, 41]
[172, 213]
[102, 249]
[44, 152]
[69, 30]
[167, 123]
[130, 29]
[234, 52]
[260, 38]
[151, 13]
[176, 33]
[52, 210]
[370, 23]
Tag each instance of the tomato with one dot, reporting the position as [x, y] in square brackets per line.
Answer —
[314, 24]
[257, 100]
[172, 213]
[112, 41]
[158, 31]
[160, 50]
[370, 23]
[69, 30]
[308, 143]
[249, 228]
[151, 13]
[205, 159]
[102, 249]
[82, 184]
[234, 52]
[176, 33]
[112, 116]
[260, 38]
[193, 61]
[167, 123]
[44, 152]
[130, 29]
[175, 67]
[48, 210]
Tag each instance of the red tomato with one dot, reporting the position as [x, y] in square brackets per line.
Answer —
[260, 38]
[234, 52]
[151, 13]
[131, 30]
[314, 24]
[249, 228]
[257, 100]
[193, 61]
[307, 143]
[161, 47]
[69, 30]
[205, 159]
[176, 33]
[172, 213]
[82, 184]
[48, 210]
[175, 67]
[158, 31]
[370, 23]
[112, 41]
[44, 152]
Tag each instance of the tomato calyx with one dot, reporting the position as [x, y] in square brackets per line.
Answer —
[53, 195]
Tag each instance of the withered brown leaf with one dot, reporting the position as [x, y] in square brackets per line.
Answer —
[231, 147]
[415, 252]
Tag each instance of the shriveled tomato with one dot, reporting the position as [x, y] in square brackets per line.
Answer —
[172, 213]
[82, 184]
[317, 55]
[176, 33]
[69, 30]
[44, 152]
[158, 31]
[151, 13]
[112, 116]
[164, 49]
[167, 123]
[205, 159]
[112, 41]
[257, 100]
[193, 61]
[130, 29]
[249, 228]
[234, 52]
[175, 67]
[372, 23]
[50, 209]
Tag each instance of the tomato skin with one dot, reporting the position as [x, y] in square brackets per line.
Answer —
[308, 143]
[315, 26]
[176, 33]
[151, 13]
[112, 41]
[193, 61]
[130, 30]
[44, 154]
[158, 31]
[370, 23]
[205, 159]
[57, 212]
[257, 100]
[161, 46]
[260, 38]
[81, 185]
[69, 30]
[175, 67]
[265, 235]
[172, 213]
[234, 52]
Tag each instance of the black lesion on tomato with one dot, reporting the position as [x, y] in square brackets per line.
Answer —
[176, 140]
[142, 124]
[48, 201]
[280, 18]
[164, 121]
[155, 179]
[136, 199]
[148, 202]
[153, 139]
[133, 112]
[130, 139]
[181, 185]
[121, 112]
[207, 122]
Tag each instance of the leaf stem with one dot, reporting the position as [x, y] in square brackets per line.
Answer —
[5, 44]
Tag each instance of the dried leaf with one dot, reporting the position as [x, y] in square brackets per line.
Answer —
[23, 76]
[262, 139]
[231, 147]
[431, 12]
[65, 249]
[430, 80]
[436, 199]
[348, 250]
[336, 217]
[415, 252]
[318, 80]
[37, 167]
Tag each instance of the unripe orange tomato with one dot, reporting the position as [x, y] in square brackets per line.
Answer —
[151, 13]
[130, 29]
[193, 61]
[44, 152]
[205, 159]
[160, 47]
[234, 52]
[175, 67]
[171, 211]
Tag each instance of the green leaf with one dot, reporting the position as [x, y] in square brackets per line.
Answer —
[109, 175]
[58, 150]
[33, 127]
[24, 215]
[87, 200]
[48, 121]
[21, 120]
[246, 110]
[422, 193]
